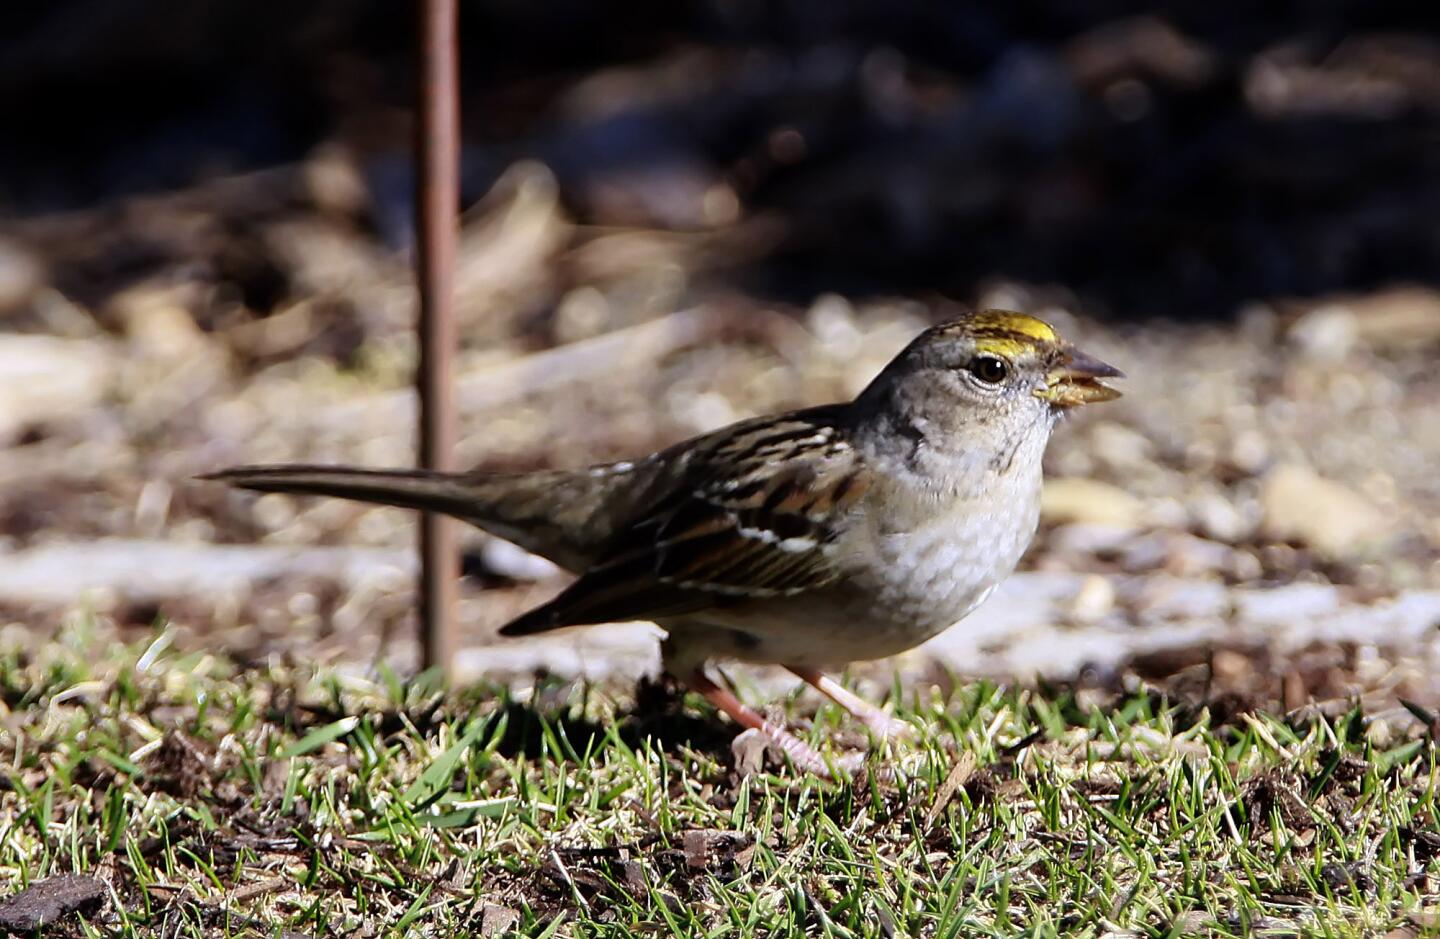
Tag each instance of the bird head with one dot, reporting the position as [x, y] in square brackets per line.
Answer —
[989, 377]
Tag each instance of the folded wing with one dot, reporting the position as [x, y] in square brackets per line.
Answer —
[752, 513]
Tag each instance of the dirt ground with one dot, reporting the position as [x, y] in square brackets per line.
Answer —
[1237, 210]
[1265, 486]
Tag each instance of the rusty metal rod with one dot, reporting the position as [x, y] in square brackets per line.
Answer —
[437, 198]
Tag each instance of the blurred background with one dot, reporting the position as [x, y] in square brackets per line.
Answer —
[680, 214]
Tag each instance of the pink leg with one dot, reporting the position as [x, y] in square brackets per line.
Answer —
[882, 725]
[803, 755]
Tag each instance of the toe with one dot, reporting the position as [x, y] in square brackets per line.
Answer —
[890, 728]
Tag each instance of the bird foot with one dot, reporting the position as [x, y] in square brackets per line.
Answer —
[803, 755]
[885, 727]
[880, 724]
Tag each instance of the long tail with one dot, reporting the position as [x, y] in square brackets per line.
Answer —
[554, 513]
[408, 489]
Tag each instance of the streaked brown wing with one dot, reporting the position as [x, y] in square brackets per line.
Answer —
[750, 517]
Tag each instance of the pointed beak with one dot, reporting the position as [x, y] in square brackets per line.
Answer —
[1075, 380]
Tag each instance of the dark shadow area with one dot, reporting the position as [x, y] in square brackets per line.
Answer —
[1162, 161]
[659, 718]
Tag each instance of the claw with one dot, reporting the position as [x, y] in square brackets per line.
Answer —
[801, 753]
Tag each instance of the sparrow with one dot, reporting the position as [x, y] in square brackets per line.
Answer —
[809, 540]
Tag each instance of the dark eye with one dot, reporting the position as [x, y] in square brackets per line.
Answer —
[990, 369]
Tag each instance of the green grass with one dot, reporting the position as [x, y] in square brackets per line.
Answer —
[217, 800]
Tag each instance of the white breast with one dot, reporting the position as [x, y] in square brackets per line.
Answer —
[936, 574]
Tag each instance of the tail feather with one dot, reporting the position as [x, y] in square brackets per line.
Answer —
[553, 513]
[539, 620]
[408, 489]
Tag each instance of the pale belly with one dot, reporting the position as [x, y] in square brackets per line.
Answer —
[927, 582]
[819, 634]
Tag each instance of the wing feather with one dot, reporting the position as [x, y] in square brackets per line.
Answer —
[751, 514]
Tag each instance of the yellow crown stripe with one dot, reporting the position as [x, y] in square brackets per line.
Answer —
[1003, 332]
[1005, 347]
[1005, 324]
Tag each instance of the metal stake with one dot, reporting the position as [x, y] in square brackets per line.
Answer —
[437, 198]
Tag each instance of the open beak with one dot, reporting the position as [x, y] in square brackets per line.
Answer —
[1075, 380]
